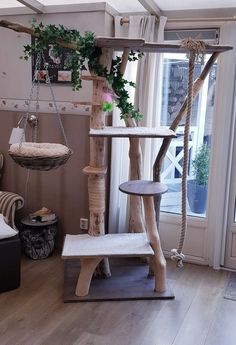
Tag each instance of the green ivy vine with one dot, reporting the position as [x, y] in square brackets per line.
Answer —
[84, 54]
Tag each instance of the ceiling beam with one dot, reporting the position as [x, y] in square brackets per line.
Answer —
[34, 5]
[151, 7]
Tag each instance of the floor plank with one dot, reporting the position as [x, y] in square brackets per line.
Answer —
[199, 317]
[35, 313]
[223, 330]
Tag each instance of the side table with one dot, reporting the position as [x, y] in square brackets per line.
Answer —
[38, 238]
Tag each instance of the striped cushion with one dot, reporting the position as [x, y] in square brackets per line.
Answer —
[9, 203]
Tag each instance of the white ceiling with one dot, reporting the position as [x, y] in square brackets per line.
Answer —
[10, 3]
[119, 5]
[134, 5]
[170, 5]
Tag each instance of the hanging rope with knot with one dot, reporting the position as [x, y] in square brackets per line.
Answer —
[195, 52]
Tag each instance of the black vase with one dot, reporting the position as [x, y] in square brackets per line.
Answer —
[197, 196]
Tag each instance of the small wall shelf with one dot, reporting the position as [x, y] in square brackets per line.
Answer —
[140, 132]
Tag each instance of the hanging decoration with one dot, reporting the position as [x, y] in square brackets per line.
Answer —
[107, 99]
[33, 155]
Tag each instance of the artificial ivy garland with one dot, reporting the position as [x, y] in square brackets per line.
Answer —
[85, 51]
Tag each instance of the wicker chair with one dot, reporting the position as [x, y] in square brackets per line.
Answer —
[10, 250]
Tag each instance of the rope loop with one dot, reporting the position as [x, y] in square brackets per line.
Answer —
[178, 257]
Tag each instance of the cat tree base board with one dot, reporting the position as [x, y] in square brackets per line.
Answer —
[129, 281]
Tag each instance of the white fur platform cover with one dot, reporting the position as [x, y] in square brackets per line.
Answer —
[29, 149]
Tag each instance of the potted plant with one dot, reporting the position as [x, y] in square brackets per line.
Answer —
[197, 187]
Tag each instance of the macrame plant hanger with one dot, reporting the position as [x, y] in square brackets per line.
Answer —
[195, 48]
[33, 155]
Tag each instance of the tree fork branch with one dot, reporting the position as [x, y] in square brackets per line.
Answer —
[124, 60]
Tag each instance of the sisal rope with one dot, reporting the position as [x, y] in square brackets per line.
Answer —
[196, 49]
[96, 190]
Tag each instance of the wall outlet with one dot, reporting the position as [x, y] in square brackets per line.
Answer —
[83, 223]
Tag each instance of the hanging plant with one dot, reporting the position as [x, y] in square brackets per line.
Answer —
[83, 53]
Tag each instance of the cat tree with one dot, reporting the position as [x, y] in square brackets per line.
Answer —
[121, 245]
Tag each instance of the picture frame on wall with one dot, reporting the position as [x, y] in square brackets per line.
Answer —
[57, 66]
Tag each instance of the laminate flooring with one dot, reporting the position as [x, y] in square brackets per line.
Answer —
[35, 313]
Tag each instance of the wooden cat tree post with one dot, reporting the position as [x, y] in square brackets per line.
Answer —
[97, 166]
[97, 169]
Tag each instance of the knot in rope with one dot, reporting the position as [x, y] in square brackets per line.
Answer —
[194, 46]
[178, 257]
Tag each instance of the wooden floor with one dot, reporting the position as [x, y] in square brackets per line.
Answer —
[34, 314]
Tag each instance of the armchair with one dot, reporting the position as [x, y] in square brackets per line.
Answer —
[10, 249]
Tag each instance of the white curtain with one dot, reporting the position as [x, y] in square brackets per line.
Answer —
[224, 133]
[147, 99]
[148, 93]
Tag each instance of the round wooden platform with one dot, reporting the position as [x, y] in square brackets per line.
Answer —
[143, 188]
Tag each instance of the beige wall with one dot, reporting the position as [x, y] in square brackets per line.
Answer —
[64, 190]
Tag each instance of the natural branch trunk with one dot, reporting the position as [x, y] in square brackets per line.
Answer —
[20, 28]
[181, 114]
[96, 182]
[136, 220]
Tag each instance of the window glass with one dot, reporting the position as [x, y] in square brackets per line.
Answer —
[175, 80]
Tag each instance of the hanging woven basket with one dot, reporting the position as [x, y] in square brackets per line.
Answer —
[34, 155]
[40, 156]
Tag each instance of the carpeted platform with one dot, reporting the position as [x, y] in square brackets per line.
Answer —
[230, 291]
[128, 282]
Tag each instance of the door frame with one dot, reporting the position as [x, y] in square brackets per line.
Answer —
[229, 260]
[222, 151]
